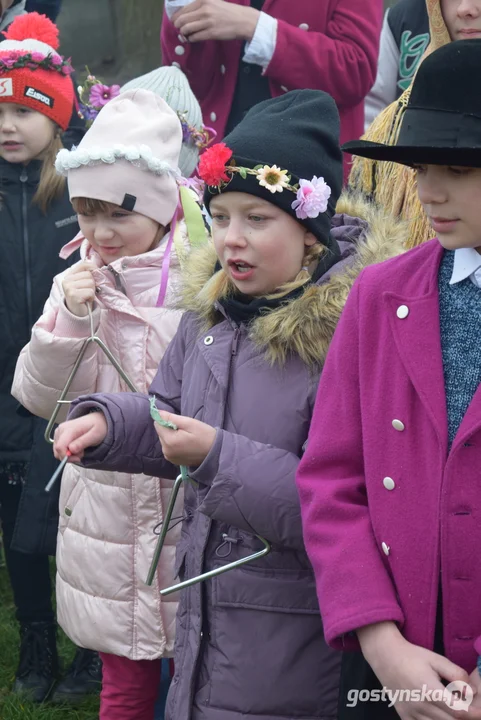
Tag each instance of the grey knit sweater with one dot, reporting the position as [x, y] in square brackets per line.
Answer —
[460, 320]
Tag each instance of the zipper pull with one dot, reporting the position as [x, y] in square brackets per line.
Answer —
[119, 284]
[235, 341]
[23, 175]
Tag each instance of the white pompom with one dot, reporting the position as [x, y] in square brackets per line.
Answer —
[141, 157]
[132, 153]
[108, 156]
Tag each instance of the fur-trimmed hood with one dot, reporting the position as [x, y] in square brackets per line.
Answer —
[306, 324]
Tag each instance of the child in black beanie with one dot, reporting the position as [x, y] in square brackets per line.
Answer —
[239, 381]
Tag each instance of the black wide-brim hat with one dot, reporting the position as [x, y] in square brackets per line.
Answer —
[441, 124]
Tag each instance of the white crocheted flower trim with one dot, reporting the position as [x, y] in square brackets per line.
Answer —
[141, 156]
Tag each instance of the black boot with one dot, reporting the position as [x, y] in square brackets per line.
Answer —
[38, 666]
[83, 678]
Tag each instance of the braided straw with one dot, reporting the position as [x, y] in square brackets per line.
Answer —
[391, 185]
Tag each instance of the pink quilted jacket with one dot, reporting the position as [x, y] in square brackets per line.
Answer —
[106, 534]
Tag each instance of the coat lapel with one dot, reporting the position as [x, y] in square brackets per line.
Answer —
[414, 320]
[471, 422]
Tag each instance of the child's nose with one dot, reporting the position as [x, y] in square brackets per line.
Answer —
[102, 232]
[7, 124]
[430, 190]
[235, 235]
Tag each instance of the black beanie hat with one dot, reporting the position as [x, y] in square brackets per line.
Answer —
[297, 132]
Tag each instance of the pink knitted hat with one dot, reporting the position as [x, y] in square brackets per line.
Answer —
[129, 157]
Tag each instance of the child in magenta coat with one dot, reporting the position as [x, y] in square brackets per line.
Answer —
[390, 481]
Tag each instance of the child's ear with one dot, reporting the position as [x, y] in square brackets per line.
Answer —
[309, 239]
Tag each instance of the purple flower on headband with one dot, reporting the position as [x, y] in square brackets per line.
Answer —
[87, 112]
[100, 94]
[56, 61]
[9, 62]
[186, 132]
[37, 57]
[312, 198]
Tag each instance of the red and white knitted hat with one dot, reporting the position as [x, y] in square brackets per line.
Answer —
[32, 73]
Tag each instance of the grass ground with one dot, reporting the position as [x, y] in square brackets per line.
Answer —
[11, 707]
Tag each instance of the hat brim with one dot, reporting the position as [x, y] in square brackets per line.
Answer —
[415, 155]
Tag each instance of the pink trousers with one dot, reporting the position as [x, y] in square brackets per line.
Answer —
[129, 688]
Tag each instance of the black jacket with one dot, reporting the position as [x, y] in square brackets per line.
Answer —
[30, 243]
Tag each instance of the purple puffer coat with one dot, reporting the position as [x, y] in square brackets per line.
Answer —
[250, 642]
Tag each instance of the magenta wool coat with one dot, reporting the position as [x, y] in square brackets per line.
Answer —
[330, 45]
[386, 510]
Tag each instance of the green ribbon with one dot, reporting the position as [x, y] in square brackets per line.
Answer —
[155, 415]
[193, 218]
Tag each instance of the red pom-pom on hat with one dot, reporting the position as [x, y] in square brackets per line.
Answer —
[35, 26]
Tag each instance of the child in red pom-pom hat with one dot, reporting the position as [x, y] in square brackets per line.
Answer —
[32, 73]
[36, 221]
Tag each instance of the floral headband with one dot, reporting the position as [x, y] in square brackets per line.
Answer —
[94, 95]
[217, 167]
[16, 59]
[192, 136]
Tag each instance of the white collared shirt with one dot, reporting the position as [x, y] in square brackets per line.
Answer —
[467, 264]
[260, 50]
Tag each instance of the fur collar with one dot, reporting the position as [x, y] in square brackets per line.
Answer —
[305, 326]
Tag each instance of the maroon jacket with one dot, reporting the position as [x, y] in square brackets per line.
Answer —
[331, 45]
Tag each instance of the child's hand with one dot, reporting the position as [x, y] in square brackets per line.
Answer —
[78, 435]
[400, 665]
[216, 20]
[475, 682]
[189, 444]
[79, 288]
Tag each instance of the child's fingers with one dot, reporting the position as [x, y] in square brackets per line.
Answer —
[79, 444]
[166, 436]
[83, 266]
[448, 670]
[473, 713]
[170, 418]
[75, 436]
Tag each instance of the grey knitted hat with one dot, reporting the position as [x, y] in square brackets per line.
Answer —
[171, 85]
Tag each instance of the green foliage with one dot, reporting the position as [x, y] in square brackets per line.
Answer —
[11, 706]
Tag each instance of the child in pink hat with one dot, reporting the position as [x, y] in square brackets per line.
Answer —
[124, 183]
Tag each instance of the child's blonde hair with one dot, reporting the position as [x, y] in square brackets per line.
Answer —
[51, 186]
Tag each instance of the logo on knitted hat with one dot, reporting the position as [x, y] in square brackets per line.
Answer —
[30, 92]
[6, 87]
